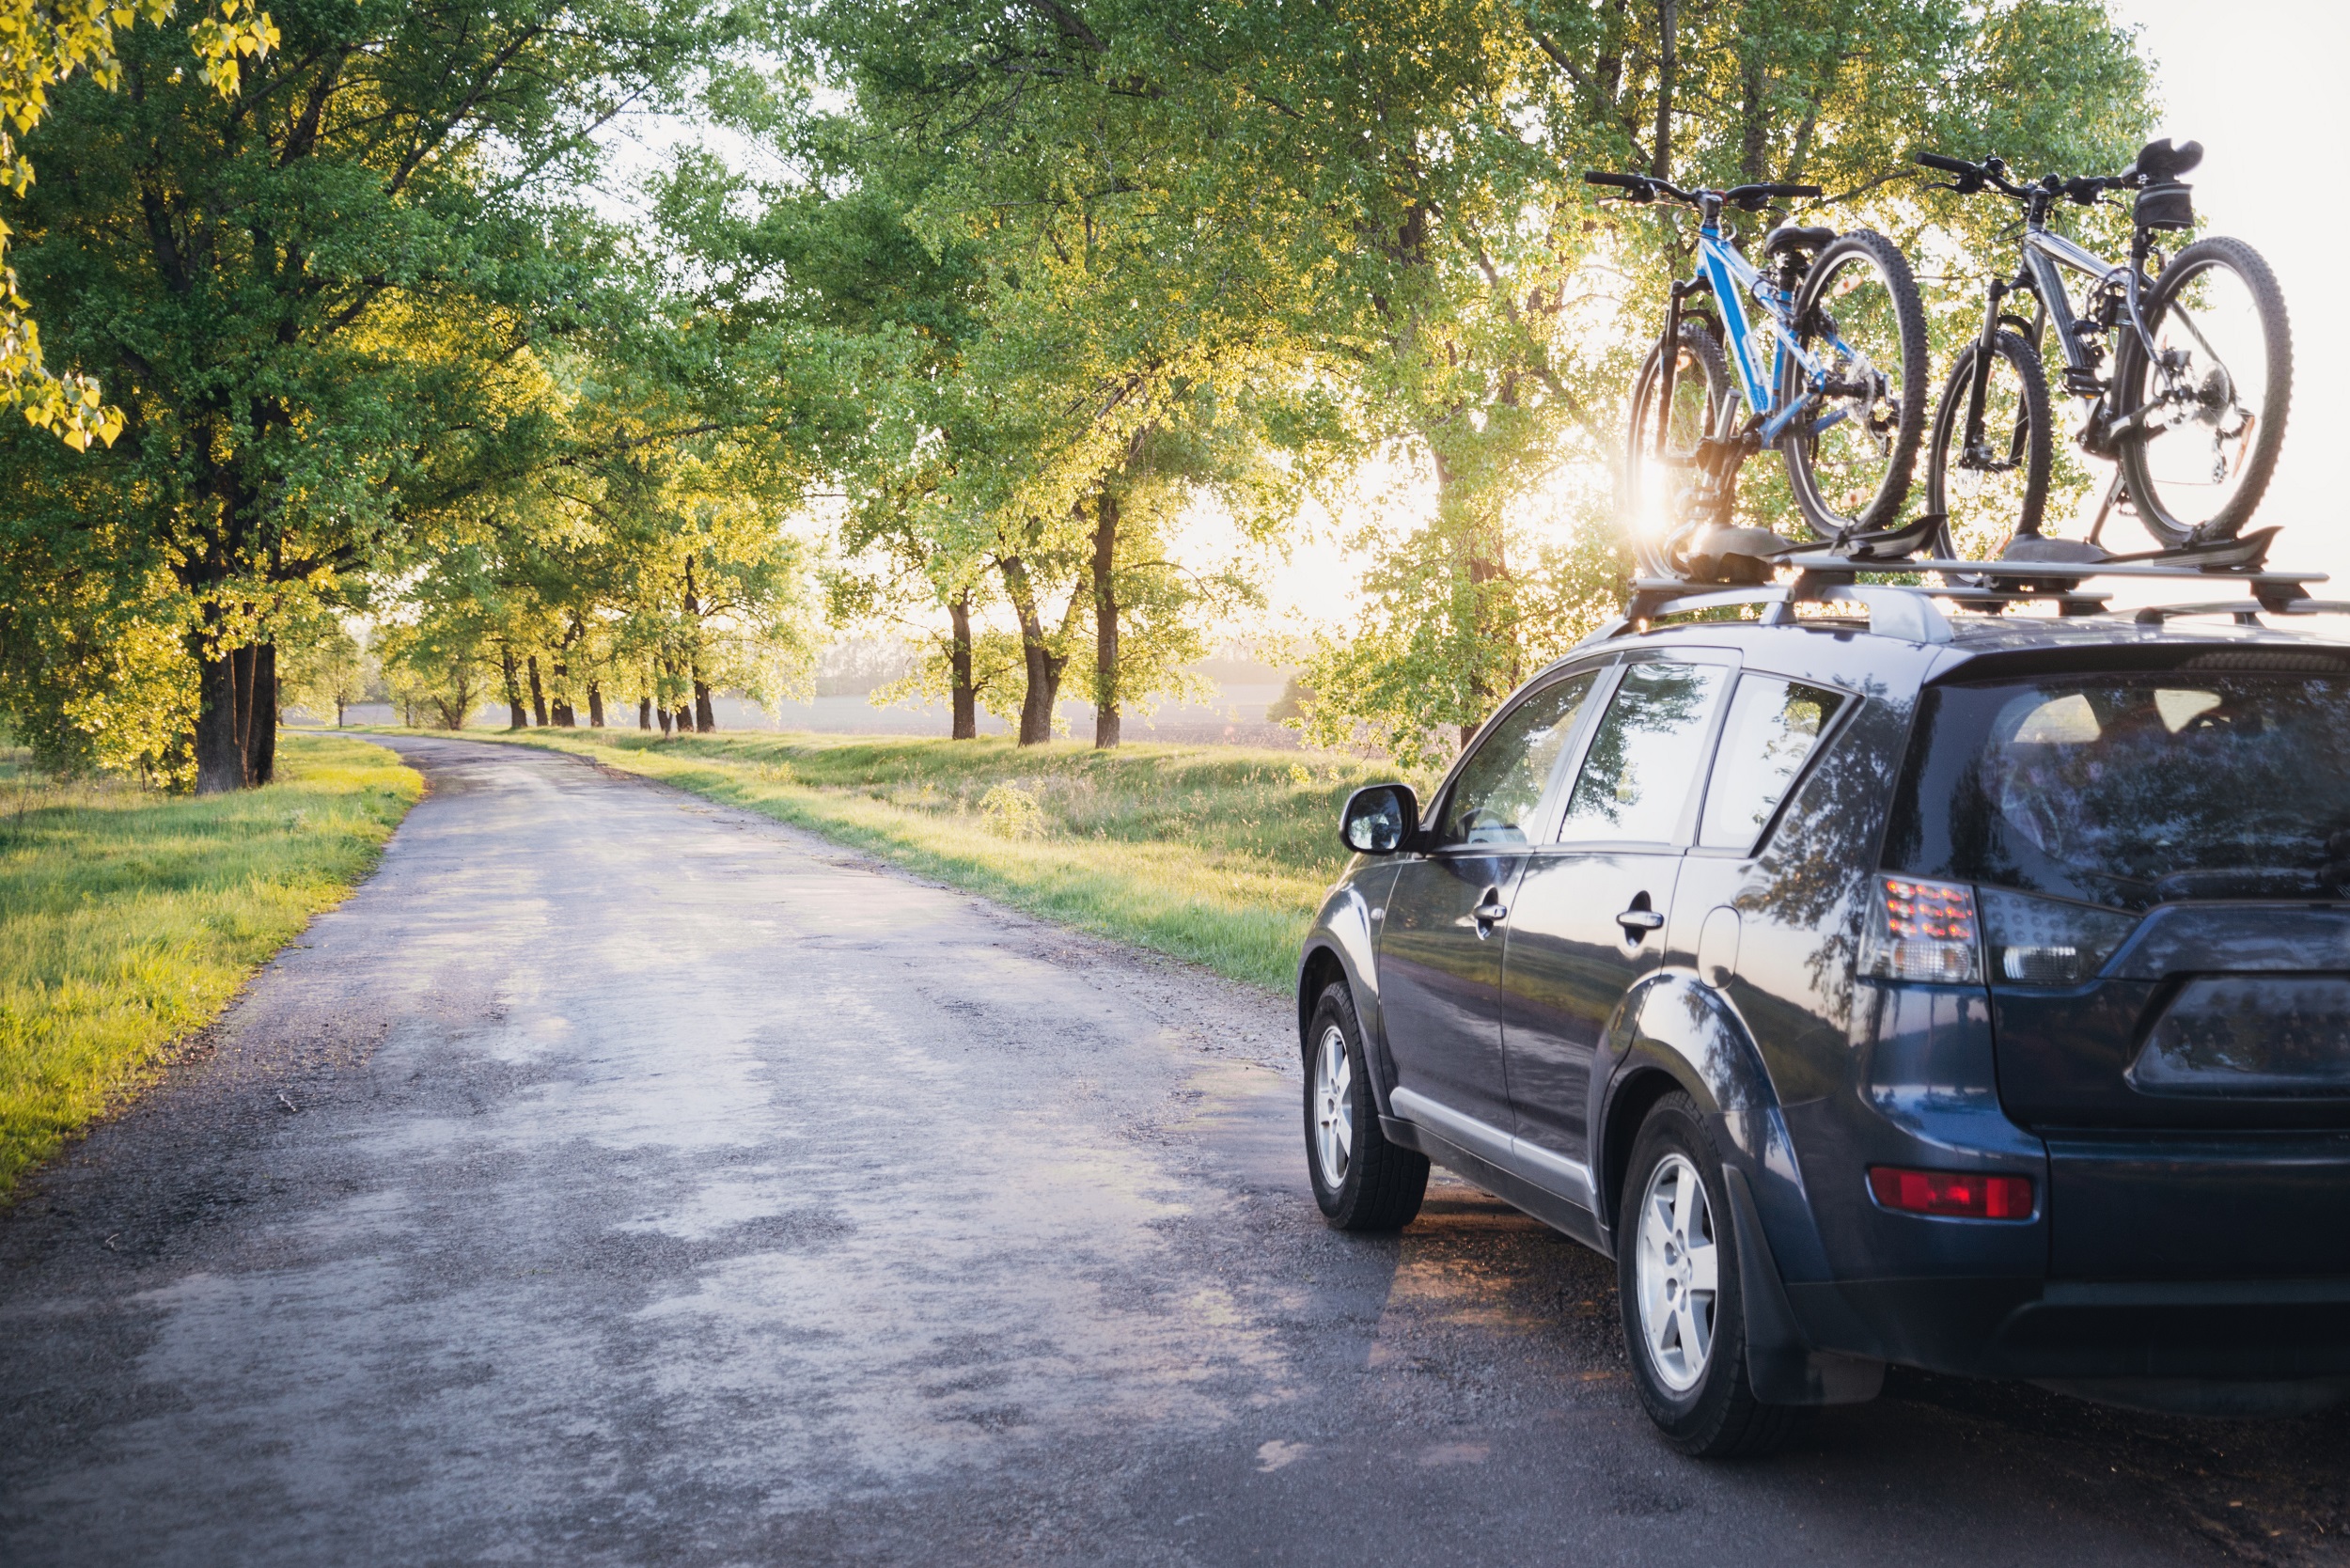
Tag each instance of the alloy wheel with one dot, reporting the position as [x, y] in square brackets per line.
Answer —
[1333, 1107]
[1678, 1273]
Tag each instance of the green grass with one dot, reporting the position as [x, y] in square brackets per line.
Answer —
[1215, 853]
[130, 919]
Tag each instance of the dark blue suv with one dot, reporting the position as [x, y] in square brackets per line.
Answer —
[1967, 993]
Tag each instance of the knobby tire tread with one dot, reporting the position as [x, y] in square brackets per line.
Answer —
[1884, 509]
[2131, 373]
[2040, 456]
[1655, 555]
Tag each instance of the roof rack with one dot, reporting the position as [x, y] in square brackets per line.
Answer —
[1910, 612]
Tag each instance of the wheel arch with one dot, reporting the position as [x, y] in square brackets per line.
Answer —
[1637, 1088]
[1320, 969]
[1676, 1032]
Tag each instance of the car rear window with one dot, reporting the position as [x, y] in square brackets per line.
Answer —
[2132, 789]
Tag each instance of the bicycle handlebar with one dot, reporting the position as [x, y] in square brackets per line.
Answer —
[2083, 189]
[1948, 165]
[1644, 187]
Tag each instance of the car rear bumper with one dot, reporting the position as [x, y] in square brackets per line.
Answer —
[2214, 1330]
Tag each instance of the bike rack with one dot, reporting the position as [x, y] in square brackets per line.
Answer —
[1913, 611]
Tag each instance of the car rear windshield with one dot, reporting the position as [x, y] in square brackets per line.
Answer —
[2132, 789]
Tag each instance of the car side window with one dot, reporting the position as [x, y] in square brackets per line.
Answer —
[1500, 786]
[1647, 753]
[1773, 726]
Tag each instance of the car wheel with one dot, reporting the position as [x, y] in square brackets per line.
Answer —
[1362, 1181]
[1677, 1282]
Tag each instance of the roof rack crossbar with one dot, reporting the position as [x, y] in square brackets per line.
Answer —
[2045, 571]
[2245, 613]
[1893, 612]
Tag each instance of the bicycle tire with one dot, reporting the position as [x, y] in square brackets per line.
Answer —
[1883, 507]
[2129, 379]
[2030, 441]
[1655, 550]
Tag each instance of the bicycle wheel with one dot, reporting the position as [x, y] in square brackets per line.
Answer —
[1996, 488]
[2219, 386]
[1661, 487]
[1857, 316]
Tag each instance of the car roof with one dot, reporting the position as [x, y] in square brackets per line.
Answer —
[1844, 648]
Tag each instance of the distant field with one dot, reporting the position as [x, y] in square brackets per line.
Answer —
[1216, 854]
[129, 920]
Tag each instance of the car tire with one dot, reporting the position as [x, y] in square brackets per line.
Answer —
[1686, 1344]
[1361, 1180]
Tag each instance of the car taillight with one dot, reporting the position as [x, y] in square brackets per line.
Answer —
[1950, 1194]
[2035, 941]
[1923, 931]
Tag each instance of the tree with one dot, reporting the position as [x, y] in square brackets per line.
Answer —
[322, 666]
[644, 553]
[315, 300]
[1383, 199]
[46, 44]
[1079, 311]
[434, 667]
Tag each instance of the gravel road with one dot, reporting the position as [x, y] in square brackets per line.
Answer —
[617, 1178]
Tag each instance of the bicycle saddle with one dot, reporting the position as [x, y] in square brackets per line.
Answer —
[2158, 162]
[1802, 242]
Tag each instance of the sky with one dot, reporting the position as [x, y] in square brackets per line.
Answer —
[2262, 85]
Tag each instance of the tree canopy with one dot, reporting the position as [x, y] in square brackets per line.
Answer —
[935, 317]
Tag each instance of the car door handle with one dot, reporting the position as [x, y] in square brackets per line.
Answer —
[1639, 920]
[1487, 914]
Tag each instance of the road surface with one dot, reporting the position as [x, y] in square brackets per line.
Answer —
[617, 1178]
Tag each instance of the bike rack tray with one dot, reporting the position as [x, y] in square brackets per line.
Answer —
[1913, 611]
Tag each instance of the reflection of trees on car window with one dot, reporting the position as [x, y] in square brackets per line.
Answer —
[1772, 727]
[1808, 879]
[1502, 782]
[2131, 791]
[1645, 755]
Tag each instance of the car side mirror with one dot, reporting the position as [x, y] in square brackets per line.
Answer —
[1379, 819]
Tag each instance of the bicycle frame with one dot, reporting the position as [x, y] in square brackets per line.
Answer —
[1734, 281]
[2047, 255]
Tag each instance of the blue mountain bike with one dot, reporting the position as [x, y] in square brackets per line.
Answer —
[1828, 341]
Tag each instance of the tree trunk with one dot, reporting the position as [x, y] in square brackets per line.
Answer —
[1042, 666]
[701, 719]
[566, 716]
[958, 662]
[537, 694]
[1755, 142]
[685, 719]
[219, 747]
[1668, 63]
[516, 718]
[339, 712]
[1104, 624]
[666, 717]
[260, 730]
[595, 705]
[643, 713]
[1487, 638]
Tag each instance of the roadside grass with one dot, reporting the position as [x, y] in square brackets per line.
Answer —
[130, 919]
[1215, 853]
